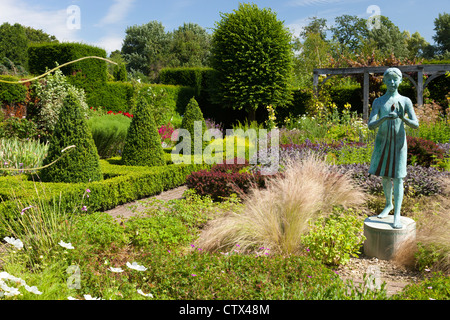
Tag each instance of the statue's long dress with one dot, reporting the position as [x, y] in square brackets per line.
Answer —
[390, 152]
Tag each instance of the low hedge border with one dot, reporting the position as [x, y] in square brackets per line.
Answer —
[123, 184]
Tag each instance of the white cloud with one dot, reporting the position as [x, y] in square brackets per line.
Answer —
[53, 22]
[116, 12]
[305, 3]
[110, 43]
[297, 26]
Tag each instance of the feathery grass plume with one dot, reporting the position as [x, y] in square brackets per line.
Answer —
[432, 237]
[277, 217]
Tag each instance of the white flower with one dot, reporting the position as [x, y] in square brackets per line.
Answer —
[33, 289]
[66, 245]
[89, 297]
[115, 269]
[135, 266]
[7, 276]
[71, 298]
[144, 294]
[7, 290]
[15, 242]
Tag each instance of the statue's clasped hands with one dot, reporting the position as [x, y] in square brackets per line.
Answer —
[397, 113]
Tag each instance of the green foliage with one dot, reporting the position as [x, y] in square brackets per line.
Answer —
[333, 240]
[13, 43]
[122, 184]
[195, 77]
[189, 46]
[82, 163]
[351, 154]
[19, 128]
[12, 92]
[99, 229]
[430, 256]
[194, 114]
[143, 143]
[145, 48]
[114, 96]
[438, 132]
[109, 132]
[389, 39]
[251, 53]
[434, 287]
[87, 73]
[18, 154]
[7, 67]
[442, 36]
[50, 95]
[120, 72]
[159, 229]
[314, 54]
[350, 30]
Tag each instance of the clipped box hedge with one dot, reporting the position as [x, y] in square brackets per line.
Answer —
[10, 92]
[47, 55]
[122, 184]
[195, 77]
[120, 96]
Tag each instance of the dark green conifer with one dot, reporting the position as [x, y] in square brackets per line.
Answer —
[81, 164]
[191, 115]
[143, 143]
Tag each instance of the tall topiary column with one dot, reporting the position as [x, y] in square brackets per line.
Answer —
[81, 164]
[143, 143]
[191, 115]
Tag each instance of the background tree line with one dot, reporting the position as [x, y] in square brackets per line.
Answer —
[256, 57]
[149, 47]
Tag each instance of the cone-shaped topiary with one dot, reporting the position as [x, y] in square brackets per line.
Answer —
[143, 143]
[81, 164]
[191, 115]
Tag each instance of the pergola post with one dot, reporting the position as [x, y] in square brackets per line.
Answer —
[420, 87]
[316, 83]
[366, 95]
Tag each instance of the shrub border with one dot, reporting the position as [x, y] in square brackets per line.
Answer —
[123, 184]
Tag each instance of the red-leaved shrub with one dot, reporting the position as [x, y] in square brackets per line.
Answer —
[423, 152]
[224, 179]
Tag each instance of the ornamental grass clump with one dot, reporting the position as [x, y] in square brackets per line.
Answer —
[109, 132]
[16, 155]
[81, 164]
[143, 143]
[430, 250]
[276, 217]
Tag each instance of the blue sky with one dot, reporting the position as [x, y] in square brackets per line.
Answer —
[103, 22]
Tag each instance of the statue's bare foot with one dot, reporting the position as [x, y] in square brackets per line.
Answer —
[397, 225]
[385, 211]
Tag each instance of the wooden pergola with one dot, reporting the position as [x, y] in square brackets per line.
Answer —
[433, 70]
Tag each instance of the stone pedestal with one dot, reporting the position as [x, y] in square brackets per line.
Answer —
[382, 240]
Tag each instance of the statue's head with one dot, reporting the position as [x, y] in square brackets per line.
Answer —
[392, 77]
